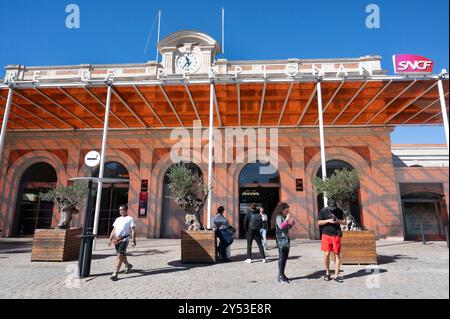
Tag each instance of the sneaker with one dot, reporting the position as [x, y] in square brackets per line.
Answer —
[248, 261]
[283, 280]
[264, 260]
[113, 276]
[128, 268]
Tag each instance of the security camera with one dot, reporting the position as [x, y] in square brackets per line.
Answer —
[443, 72]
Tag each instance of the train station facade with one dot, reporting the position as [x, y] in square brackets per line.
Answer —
[276, 107]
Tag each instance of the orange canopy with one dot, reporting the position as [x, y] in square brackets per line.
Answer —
[281, 104]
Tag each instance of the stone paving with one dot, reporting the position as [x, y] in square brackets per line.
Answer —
[405, 270]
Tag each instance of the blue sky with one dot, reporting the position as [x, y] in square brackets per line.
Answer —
[116, 31]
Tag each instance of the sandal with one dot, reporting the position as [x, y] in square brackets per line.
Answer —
[339, 279]
[327, 277]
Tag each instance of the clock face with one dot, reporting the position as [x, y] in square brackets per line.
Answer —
[188, 62]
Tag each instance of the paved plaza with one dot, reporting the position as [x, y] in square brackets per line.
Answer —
[405, 270]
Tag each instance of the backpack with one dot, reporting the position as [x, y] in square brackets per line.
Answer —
[256, 222]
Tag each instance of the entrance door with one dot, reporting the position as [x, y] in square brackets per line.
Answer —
[32, 212]
[260, 189]
[113, 195]
[266, 197]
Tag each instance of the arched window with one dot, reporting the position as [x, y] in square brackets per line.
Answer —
[113, 195]
[355, 205]
[33, 213]
[173, 217]
[253, 174]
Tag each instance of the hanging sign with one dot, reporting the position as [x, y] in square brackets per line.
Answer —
[412, 64]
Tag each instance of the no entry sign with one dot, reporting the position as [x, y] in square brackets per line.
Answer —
[92, 159]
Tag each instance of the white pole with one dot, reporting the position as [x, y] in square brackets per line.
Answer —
[210, 150]
[5, 122]
[443, 106]
[102, 162]
[223, 30]
[159, 34]
[322, 139]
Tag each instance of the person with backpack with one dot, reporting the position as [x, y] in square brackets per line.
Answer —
[253, 224]
[224, 232]
[329, 221]
[282, 222]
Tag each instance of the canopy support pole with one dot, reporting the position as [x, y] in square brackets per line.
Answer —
[5, 122]
[443, 106]
[322, 139]
[210, 150]
[102, 161]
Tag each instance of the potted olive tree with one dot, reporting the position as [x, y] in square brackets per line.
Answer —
[342, 187]
[63, 242]
[358, 247]
[191, 193]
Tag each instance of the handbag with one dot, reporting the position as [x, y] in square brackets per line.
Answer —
[283, 242]
[117, 241]
[231, 229]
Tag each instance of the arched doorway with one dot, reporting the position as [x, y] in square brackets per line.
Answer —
[173, 217]
[113, 195]
[261, 189]
[355, 205]
[33, 213]
[424, 207]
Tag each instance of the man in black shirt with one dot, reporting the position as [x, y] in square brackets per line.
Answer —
[253, 224]
[329, 220]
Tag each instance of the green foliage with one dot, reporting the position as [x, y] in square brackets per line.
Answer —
[67, 197]
[341, 186]
[189, 189]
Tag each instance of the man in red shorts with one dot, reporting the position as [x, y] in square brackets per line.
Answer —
[330, 219]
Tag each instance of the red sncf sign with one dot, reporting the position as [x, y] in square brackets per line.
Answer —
[410, 64]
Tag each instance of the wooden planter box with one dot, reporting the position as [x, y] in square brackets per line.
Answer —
[56, 244]
[358, 247]
[198, 246]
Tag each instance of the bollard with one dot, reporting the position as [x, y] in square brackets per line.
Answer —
[423, 233]
[446, 234]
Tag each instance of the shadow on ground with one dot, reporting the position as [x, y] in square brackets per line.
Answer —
[242, 257]
[147, 252]
[360, 273]
[15, 247]
[383, 259]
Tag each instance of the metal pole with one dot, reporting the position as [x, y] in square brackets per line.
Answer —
[83, 259]
[223, 30]
[443, 106]
[446, 234]
[210, 150]
[102, 161]
[322, 139]
[5, 122]
[423, 233]
[159, 34]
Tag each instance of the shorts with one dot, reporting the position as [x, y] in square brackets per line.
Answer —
[331, 243]
[121, 248]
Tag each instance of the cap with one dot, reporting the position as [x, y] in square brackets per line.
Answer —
[331, 203]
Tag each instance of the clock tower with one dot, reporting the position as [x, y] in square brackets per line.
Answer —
[187, 52]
